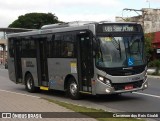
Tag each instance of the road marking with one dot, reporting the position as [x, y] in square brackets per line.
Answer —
[19, 93]
[147, 94]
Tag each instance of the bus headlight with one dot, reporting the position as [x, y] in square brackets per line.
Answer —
[145, 85]
[104, 80]
[145, 77]
[101, 78]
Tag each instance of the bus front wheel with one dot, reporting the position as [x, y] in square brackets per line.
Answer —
[73, 90]
[29, 83]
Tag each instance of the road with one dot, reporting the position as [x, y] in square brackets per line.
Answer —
[143, 101]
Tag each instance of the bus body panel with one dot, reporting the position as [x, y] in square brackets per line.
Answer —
[101, 88]
[121, 80]
[30, 65]
[11, 69]
[58, 69]
[56, 30]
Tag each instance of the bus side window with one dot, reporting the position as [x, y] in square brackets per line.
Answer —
[67, 46]
[61, 45]
[11, 47]
[67, 49]
[57, 45]
[28, 47]
[50, 45]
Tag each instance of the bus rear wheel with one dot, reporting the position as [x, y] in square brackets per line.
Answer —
[29, 83]
[73, 89]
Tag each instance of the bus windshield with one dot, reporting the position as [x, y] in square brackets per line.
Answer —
[120, 51]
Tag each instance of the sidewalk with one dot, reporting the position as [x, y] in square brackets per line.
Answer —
[150, 71]
[153, 76]
[2, 66]
[16, 102]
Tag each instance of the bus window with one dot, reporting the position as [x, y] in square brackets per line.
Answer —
[11, 47]
[67, 46]
[28, 47]
[67, 49]
[57, 45]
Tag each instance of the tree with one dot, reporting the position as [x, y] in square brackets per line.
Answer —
[148, 44]
[34, 20]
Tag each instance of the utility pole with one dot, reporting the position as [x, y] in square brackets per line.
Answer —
[149, 3]
[143, 13]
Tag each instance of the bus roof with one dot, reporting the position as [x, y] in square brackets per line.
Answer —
[61, 27]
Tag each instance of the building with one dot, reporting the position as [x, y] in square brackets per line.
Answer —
[150, 20]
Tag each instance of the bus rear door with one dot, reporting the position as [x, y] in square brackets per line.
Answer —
[42, 62]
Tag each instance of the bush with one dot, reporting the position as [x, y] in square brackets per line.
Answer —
[154, 63]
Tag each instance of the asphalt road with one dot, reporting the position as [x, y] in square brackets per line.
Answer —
[142, 101]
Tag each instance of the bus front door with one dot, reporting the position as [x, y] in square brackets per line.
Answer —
[85, 61]
[42, 63]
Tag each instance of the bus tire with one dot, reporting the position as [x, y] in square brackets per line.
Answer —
[29, 83]
[73, 89]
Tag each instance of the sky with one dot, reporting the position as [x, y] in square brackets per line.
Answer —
[73, 10]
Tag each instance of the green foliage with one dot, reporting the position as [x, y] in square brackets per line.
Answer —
[155, 63]
[148, 44]
[93, 113]
[34, 20]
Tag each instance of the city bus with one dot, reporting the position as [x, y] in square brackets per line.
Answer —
[80, 57]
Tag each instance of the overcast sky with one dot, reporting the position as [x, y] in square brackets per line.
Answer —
[72, 10]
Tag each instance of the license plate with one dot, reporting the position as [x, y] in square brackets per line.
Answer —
[128, 87]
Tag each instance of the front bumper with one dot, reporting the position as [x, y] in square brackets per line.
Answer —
[102, 88]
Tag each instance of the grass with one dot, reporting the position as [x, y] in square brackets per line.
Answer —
[93, 113]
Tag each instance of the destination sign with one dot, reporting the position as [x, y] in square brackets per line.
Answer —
[118, 28]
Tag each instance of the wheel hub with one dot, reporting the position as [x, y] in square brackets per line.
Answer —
[73, 88]
[29, 84]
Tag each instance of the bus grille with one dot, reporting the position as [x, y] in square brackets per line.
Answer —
[122, 72]
[121, 86]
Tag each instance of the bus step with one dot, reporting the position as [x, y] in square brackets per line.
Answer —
[84, 92]
[44, 88]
